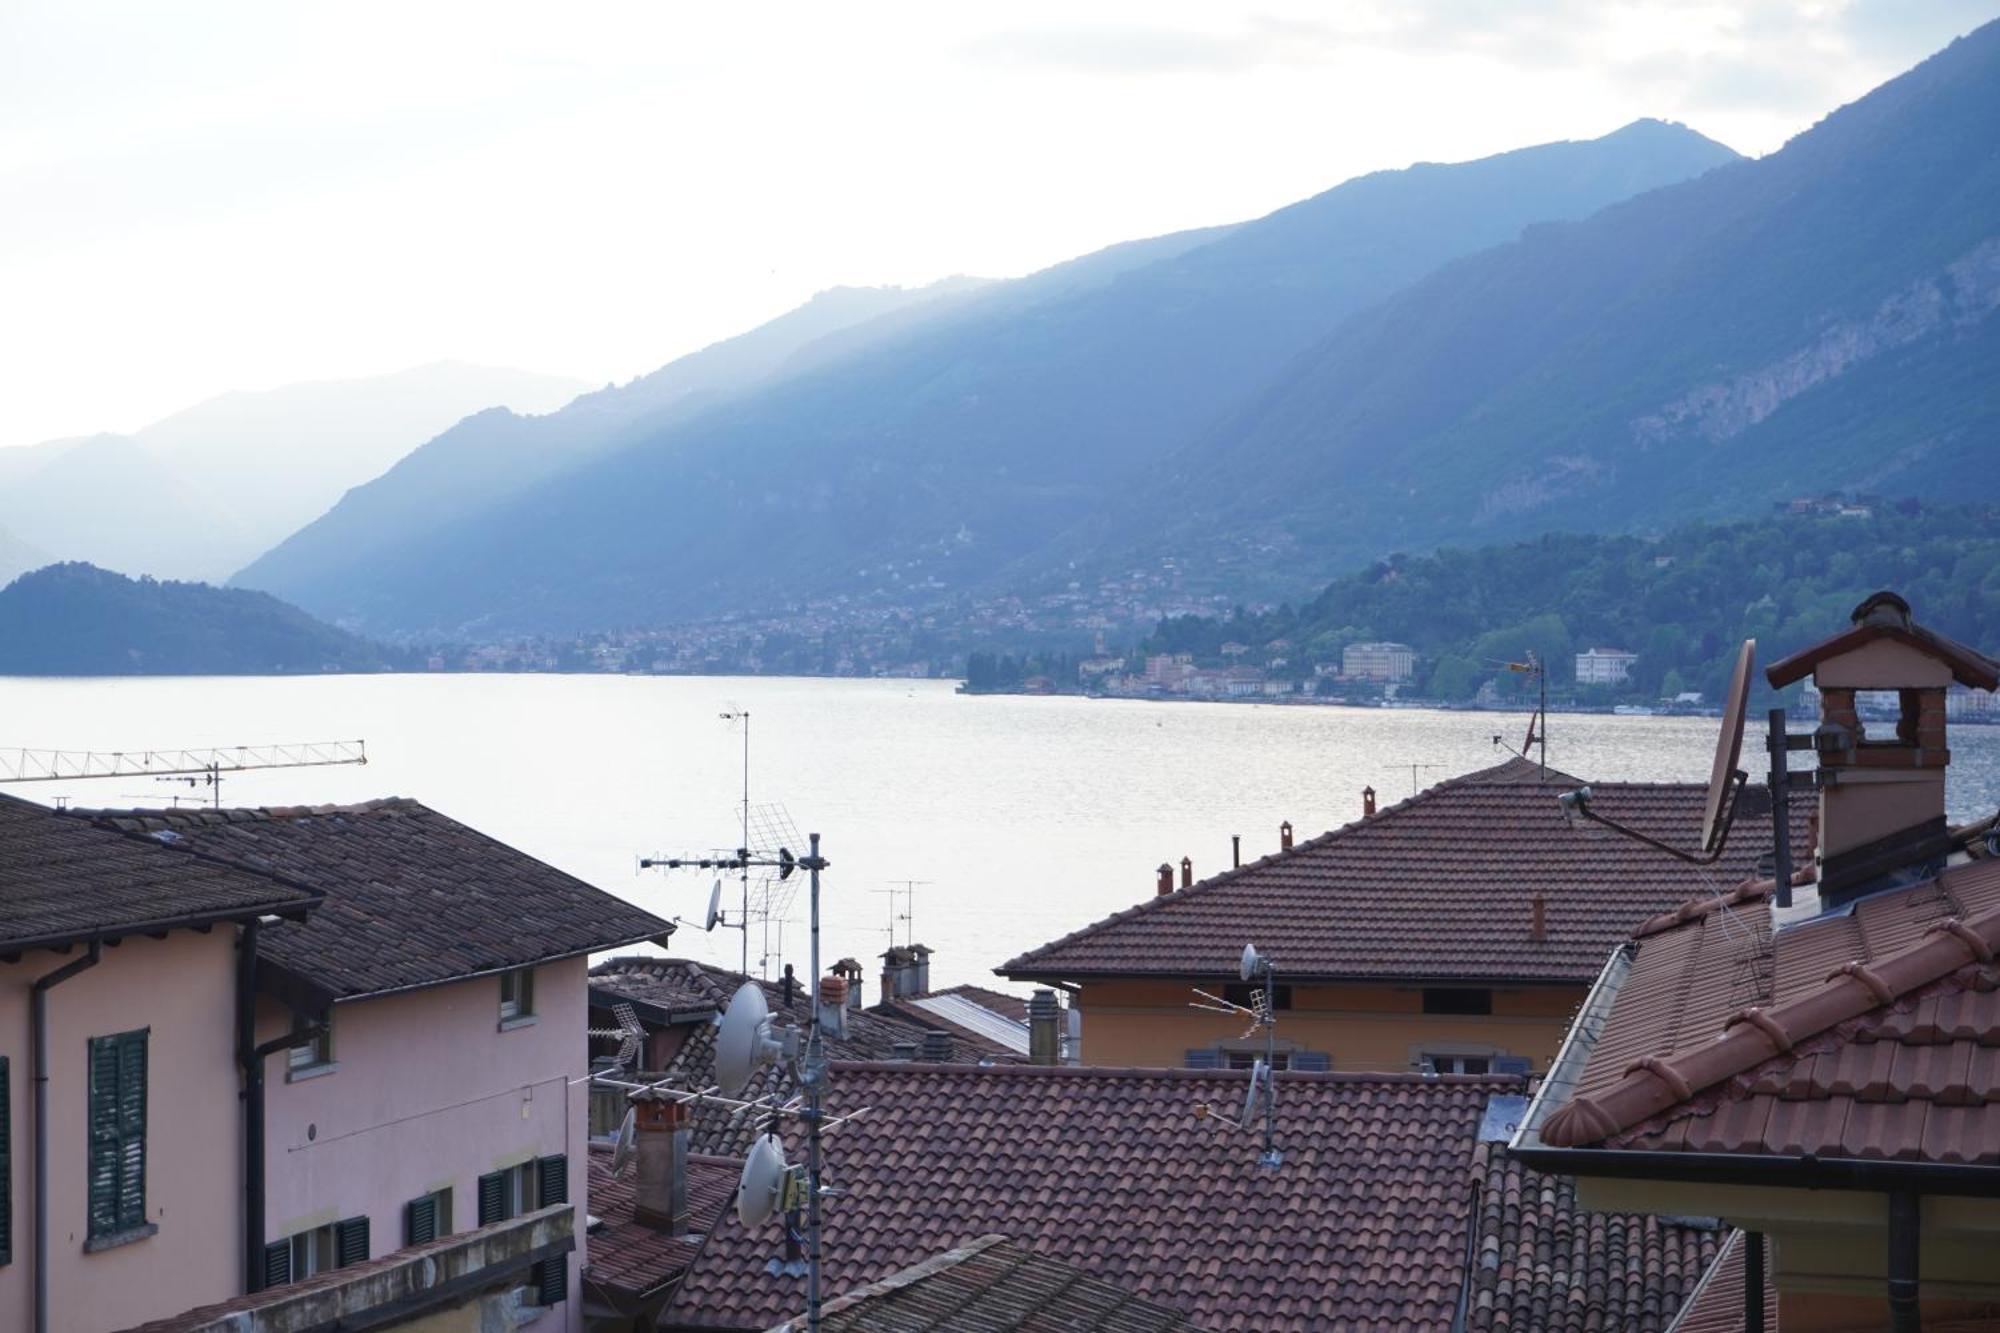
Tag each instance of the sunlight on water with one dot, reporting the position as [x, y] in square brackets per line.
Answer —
[1028, 817]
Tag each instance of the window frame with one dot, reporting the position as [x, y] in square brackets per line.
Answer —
[517, 1009]
[318, 1050]
[1443, 1062]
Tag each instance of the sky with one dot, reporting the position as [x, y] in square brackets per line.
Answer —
[215, 195]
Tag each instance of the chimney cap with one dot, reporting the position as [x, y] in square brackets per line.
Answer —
[1882, 608]
[1887, 616]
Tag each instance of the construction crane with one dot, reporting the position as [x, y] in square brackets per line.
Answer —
[195, 767]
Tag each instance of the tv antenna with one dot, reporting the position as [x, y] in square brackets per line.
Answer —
[1537, 738]
[1725, 782]
[1260, 1102]
[1413, 773]
[197, 768]
[907, 890]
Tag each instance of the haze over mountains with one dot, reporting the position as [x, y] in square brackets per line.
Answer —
[199, 493]
[930, 447]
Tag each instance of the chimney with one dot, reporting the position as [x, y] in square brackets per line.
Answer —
[660, 1141]
[1187, 872]
[906, 970]
[937, 1047]
[903, 1052]
[1285, 836]
[1235, 851]
[1044, 1029]
[833, 1006]
[1166, 880]
[888, 985]
[850, 971]
[1367, 802]
[1881, 812]
[1538, 919]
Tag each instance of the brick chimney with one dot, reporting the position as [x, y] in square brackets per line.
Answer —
[1166, 885]
[1187, 872]
[1881, 800]
[1367, 802]
[1538, 919]
[660, 1140]
[833, 1006]
[1044, 1029]
[850, 971]
[1285, 836]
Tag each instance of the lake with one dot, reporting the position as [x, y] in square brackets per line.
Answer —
[1020, 819]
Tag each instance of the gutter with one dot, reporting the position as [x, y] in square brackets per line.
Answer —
[251, 1057]
[38, 1003]
[1806, 1171]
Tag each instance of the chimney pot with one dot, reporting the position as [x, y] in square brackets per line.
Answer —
[1044, 1029]
[1367, 801]
[937, 1047]
[1187, 872]
[1538, 919]
[1166, 880]
[1285, 836]
[1235, 850]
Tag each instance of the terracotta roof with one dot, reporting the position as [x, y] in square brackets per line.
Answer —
[1869, 1033]
[63, 880]
[993, 1285]
[1541, 1264]
[1364, 1227]
[630, 1259]
[1438, 888]
[1717, 1306]
[869, 1036]
[1887, 616]
[412, 897]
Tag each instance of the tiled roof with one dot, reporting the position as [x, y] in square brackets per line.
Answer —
[412, 898]
[993, 1285]
[1541, 1264]
[1438, 887]
[1717, 1306]
[63, 880]
[1868, 1033]
[1364, 1227]
[869, 1036]
[631, 1259]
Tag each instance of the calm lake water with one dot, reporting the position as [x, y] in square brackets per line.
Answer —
[1021, 818]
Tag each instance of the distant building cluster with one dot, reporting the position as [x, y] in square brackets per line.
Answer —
[1604, 666]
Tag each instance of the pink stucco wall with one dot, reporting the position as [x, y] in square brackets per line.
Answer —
[430, 1092]
[183, 989]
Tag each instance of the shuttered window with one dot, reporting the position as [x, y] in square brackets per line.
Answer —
[277, 1263]
[1209, 1059]
[492, 1198]
[6, 1165]
[550, 1278]
[117, 1133]
[420, 1220]
[350, 1242]
[1312, 1062]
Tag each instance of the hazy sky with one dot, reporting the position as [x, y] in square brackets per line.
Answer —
[201, 196]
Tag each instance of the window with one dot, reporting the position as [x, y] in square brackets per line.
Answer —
[6, 1166]
[320, 1250]
[517, 995]
[315, 1049]
[1457, 1000]
[1457, 1064]
[541, 1183]
[1238, 992]
[117, 1140]
[427, 1218]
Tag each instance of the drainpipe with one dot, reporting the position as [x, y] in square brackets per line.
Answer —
[38, 1003]
[1905, 1222]
[1753, 1282]
[253, 1108]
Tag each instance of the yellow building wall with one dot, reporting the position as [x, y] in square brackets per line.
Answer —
[1364, 1029]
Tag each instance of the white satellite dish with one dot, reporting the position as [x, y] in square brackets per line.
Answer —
[621, 1152]
[714, 906]
[1252, 962]
[1728, 750]
[743, 1045]
[1258, 1097]
[763, 1181]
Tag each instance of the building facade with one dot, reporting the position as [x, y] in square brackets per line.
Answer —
[1604, 666]
[1387, 663]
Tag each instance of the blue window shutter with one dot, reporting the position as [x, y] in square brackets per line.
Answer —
[1511, 1064]
[350, 1242]
[1204, 1059]
[277, 1263]
[492, 1198]
[1312, 1062]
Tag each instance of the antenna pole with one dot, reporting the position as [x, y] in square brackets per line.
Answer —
[765, 962]
[1270, 1157]
[1781, 811]
[815, 1081]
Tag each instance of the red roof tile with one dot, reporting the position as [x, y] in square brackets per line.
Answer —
[629, 1258]
[1439, 887]
[1867, 1033]
[1717, 1306]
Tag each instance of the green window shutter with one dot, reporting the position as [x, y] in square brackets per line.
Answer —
[420, 1220]
[6, 1165]
[117, 1162]
[492, 1198]
[350, 1242]
[277, 1263]
[550, 1279]
[552, 1173]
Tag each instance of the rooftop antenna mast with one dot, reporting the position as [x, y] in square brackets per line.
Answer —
[194, 767]
[1261, 1101]
[1413, 774]
[1537, 738]
[908, 916]
[743, 715]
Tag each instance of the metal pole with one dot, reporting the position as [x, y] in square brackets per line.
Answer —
[815, 1081]
[1753, 1282]
[1781, 811]
[762, 968]
[1905, 1229]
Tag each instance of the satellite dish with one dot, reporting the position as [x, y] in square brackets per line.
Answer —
[763, 1181]
[1251, 962]
[1728, 749]
[714, 906]
[621, 1152]
[1255, 1099]
[743, 1045]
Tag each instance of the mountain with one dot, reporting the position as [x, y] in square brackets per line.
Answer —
[930, 452]
[204, 490]
[1820, 319]
[78, 620]
[17, 557]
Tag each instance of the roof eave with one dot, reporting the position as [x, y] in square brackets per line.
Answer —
[1803, 1171]
[292, 909]
[1064, 975]
[347, 997]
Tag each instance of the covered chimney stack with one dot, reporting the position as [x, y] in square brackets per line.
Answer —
[1044, 1029]
[1166, 885]
[1367, 802]
[850, 971]
[937, 1047]
[1285, 836]
[1538, 919]
[1881, 799]
[903, 1052]
[833, 1006]
[660, 1142]
[1187, 872]
[906, 970]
